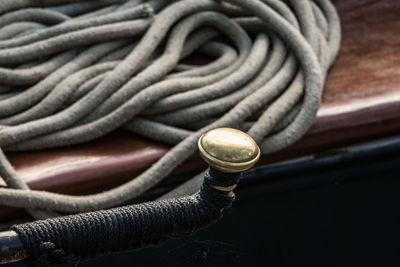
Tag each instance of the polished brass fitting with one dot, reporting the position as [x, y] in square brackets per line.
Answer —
[228, 150]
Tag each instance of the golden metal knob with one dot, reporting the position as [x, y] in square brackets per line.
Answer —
[228, 150]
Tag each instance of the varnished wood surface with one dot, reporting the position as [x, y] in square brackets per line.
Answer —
[361, 102]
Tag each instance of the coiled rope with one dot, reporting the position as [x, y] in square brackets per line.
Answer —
[74, 71]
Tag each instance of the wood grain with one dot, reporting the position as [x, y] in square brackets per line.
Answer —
[361, 102]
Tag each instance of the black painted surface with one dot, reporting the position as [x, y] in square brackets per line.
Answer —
[10, 247]
[345, 213]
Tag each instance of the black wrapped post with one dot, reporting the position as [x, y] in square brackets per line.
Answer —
[78, 237]
[11, 248]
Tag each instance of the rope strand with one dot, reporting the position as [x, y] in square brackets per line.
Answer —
[69, 76]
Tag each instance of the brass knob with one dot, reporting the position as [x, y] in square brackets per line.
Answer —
[228, 150]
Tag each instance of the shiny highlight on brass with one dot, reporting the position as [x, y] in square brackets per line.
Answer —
[228, 149]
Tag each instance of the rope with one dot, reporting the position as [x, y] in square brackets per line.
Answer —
[73, 72]
[82, 236]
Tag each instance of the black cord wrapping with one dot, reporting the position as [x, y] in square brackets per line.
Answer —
[78, 237]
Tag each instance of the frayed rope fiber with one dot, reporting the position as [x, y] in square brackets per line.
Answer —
[73, 71]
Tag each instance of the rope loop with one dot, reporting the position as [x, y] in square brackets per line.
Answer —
[74, 72]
